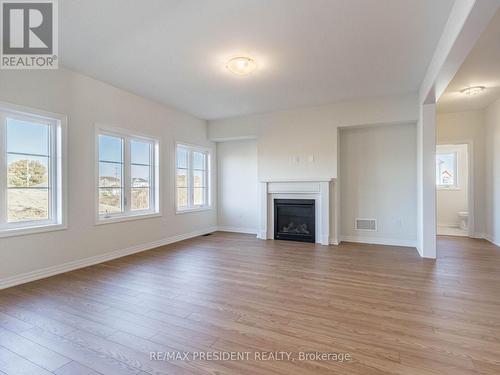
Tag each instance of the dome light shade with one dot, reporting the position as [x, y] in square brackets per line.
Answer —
[474, 90]
[241, 65]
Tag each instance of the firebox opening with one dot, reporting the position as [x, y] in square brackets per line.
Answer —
[294, 220]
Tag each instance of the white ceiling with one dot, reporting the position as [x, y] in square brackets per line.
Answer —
[309, 51]
[480, 68]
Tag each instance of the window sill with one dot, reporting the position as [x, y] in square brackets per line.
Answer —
[24, 231]
[132, 217]
[442, 188]
[189, 210]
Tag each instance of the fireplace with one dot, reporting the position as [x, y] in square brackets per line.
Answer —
[313, 189]
[294, 220]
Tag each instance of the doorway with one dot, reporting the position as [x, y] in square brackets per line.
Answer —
[454, 189]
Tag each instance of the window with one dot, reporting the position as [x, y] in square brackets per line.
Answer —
[127, 181]
[31, 181]
[446, 169]
[192, 178]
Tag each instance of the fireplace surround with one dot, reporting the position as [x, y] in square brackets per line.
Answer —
[310, 189]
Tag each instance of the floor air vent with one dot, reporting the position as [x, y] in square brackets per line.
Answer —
[366, 224]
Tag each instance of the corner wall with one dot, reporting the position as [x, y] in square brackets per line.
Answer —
[492, 185]
[379, 183]
[426, 181]
[238, 203]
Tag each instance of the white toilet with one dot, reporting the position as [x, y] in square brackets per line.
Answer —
[463, 217]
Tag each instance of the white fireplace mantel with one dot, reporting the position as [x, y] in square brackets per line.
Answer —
[317, 189]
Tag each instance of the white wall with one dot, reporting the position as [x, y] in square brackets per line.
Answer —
[287, 139]
[454, 200]
[426, 181]
[237, 185]
[303, 143]
[87, 101]
[464, 127]
[378, 180]
[492, 188]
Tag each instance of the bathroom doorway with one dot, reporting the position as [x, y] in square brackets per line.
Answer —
[454, 189]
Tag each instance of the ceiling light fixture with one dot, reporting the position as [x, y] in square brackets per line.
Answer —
[241, 65]
[474, 90]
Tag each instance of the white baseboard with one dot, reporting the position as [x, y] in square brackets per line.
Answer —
[262, 235]
[70, 266]
[334, 241]
[380, 241]
[492, 239]
[487, 237]
[224, 228]
[451, 231]
[449, 225]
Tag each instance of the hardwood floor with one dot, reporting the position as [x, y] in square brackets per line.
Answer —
[390, 310]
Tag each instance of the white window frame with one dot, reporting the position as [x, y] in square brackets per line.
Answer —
[455, 185]
[154, 189]
[57, 172]
[191, 207]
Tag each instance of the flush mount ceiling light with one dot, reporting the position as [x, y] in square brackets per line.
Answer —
[241, 65]
[474, 90]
